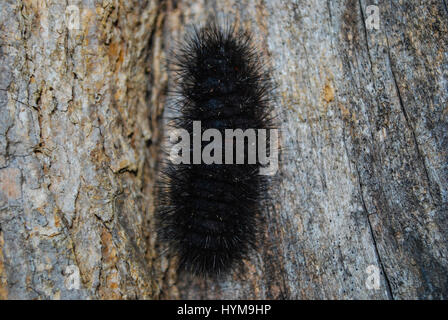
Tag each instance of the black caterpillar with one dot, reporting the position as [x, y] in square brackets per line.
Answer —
[210, 213]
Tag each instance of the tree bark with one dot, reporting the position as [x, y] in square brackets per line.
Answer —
[362, 183]
[75, 126]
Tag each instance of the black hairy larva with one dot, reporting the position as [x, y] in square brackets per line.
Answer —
[209, 214]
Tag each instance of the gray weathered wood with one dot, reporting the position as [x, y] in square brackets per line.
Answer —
[365, 175]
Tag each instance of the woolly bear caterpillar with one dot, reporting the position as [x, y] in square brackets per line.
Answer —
[208, 211]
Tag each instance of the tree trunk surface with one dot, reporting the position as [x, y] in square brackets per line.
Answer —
[362, 187]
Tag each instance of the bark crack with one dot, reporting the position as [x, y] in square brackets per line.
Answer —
[367, 41]
[445, 5]
[408, 122]
[329, 12]
[375, 245]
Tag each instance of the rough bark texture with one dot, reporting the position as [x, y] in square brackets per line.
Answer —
[74, 128]
[364, 173]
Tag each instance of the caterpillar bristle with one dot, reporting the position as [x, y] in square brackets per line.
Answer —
[210, 214]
